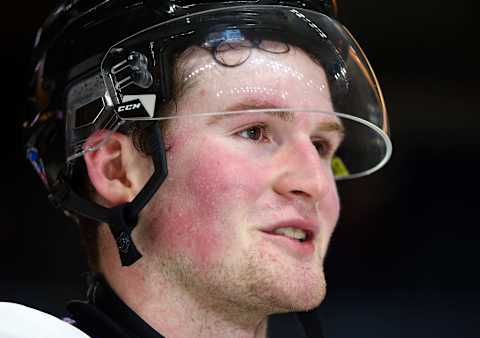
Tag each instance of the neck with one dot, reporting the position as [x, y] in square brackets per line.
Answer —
[174, 312]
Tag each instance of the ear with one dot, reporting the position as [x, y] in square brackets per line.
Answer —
[117, 170]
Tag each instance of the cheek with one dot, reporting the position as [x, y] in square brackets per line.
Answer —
[333, 202]
[330, 211]
[203, 211]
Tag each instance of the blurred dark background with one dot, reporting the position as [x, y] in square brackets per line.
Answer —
[404, 259]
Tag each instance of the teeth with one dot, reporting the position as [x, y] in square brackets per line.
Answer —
[294, 233]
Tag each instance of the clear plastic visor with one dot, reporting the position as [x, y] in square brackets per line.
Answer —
[274, 78]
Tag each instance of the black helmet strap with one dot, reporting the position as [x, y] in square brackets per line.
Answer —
[123, 218]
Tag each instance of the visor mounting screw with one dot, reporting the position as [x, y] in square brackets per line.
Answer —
[140, 74]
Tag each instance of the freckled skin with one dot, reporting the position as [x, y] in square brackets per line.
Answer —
[205, 220]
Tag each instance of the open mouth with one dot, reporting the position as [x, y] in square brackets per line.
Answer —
[292, 233]
[296, 236]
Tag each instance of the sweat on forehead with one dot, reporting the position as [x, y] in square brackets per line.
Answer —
[286, 79]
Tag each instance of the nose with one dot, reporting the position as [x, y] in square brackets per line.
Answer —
[303, 172]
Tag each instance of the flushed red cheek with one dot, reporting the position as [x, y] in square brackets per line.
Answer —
[200, 246]
[208, 212]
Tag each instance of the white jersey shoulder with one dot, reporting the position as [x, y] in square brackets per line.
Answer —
[19, 321]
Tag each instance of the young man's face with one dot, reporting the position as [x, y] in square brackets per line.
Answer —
[242, 188]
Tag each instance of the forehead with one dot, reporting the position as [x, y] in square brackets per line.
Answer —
[287, 79]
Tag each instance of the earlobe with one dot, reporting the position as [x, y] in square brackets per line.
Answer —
[112, 168]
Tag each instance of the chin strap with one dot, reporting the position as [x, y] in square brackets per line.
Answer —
[123, 218]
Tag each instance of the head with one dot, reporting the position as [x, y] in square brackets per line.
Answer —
[251, 124]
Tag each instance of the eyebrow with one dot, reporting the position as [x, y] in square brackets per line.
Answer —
[287, 116]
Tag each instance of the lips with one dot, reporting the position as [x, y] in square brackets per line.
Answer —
[296, 237]
[293, 229]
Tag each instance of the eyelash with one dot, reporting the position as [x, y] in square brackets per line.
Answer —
[324, 147]
[264, 135]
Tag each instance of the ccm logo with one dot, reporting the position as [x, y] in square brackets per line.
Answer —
[129, 107]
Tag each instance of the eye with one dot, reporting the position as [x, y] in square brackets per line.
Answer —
[257, 133]
[324, 147]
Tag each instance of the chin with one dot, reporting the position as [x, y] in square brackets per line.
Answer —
[304, 300]
[293, 294]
